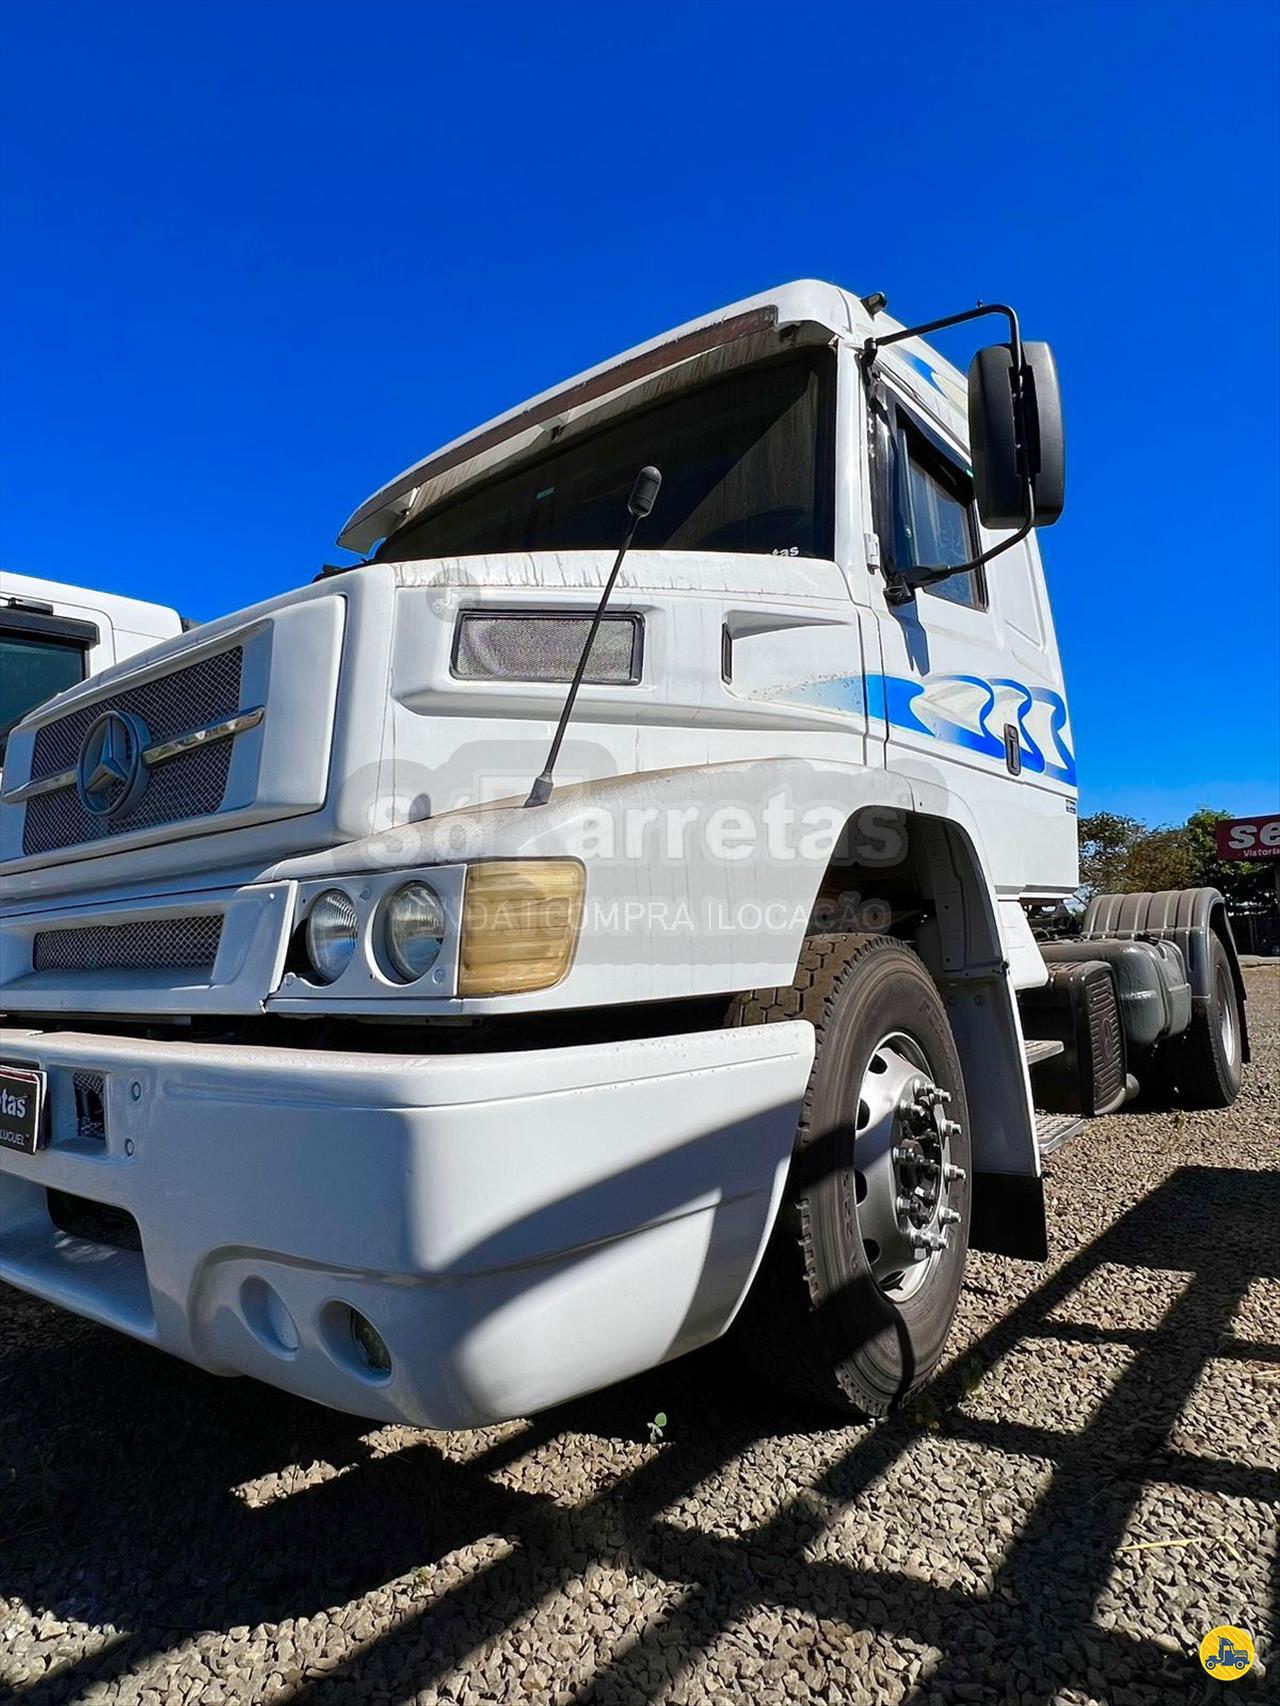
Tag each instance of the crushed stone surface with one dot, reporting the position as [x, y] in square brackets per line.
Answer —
[1088, 1490]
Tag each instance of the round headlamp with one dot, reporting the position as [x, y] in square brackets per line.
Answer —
[331, 934]
[413, 930]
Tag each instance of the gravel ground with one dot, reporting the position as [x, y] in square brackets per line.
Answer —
[1088, 1491]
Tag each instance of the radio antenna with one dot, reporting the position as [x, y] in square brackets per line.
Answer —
[643, 496]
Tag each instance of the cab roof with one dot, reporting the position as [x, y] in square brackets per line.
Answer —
[803, 301]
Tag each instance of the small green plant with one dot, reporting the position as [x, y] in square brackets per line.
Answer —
[971, 1376]
[656, 1426]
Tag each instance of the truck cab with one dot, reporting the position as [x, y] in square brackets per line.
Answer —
[353, 1061]
[54, 636]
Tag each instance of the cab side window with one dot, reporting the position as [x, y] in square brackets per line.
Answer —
[933, 515]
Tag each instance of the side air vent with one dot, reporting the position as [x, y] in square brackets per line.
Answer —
[545, 645]
[158, 944]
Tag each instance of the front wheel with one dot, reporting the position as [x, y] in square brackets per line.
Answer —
[858, 1290]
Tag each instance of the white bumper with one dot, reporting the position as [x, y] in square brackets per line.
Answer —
[519, 1227]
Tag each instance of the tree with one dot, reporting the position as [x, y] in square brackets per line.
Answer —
[1122, 855]
[1106, 841]
[1160, 859]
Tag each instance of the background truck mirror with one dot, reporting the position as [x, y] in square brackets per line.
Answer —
[995, 433]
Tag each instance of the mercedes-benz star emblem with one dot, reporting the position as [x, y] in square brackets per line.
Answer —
[109, 771]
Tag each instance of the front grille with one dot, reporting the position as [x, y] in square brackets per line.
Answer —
[153, 944]
[188, 786]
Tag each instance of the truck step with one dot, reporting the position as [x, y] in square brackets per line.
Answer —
[1042, 1050]
[1053, 1130]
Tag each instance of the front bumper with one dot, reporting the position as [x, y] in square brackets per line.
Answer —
[518, 1227]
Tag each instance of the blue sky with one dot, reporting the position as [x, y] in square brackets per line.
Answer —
[256, 258]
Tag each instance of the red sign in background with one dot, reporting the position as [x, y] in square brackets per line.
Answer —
[1250, 838]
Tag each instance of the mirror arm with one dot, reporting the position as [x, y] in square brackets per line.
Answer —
[900, 588]
[871, 345]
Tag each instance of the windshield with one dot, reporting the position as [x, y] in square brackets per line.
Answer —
[746, 462]
[32, 669]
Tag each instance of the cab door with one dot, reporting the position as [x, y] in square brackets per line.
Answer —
[966, 703]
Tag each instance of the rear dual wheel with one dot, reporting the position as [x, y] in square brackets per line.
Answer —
[858, 1289]
[1207, 1061]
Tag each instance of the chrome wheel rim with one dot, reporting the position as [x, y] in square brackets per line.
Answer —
[905, 1176]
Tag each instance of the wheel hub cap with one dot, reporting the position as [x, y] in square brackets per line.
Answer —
[904, 1174]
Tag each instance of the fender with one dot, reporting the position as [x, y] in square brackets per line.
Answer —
[1188, 918]
[700, 880]
[963, 943]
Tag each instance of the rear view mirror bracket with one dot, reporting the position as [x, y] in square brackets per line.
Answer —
[1015, 424]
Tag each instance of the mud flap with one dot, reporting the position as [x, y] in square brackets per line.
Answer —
[1008, 1216]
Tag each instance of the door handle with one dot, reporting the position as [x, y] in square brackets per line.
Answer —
[1012, 749]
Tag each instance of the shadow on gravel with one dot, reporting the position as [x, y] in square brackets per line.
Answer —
[120, 1468]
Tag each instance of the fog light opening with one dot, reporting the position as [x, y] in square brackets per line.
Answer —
[268, 1317]
[369, 1344]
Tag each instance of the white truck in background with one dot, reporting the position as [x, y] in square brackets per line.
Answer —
[360, 1043]
[54, 636]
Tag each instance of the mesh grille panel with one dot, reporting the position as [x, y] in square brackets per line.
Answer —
[91, 1119]
[191, 785]
[535, 647]
[153, 944]
[187, 699]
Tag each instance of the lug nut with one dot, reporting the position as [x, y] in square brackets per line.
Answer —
[949, 1216]
[929, 1243]
[954, 1175]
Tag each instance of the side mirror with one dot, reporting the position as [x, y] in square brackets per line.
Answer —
[1011, 441]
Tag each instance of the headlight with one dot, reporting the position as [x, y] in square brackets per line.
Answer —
[413, 930]
[331, 934]
[520, 920]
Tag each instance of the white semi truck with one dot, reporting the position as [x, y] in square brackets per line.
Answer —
[365, 1041]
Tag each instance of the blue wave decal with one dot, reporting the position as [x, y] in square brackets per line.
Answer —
[936, 707]
[922, 368]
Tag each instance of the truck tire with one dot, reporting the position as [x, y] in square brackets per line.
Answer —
[1206, 1064]
[858, 1288]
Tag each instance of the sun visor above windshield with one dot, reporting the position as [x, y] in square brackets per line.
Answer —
[375, 519]
[821, 305]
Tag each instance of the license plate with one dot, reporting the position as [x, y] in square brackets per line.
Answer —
[22, 1100]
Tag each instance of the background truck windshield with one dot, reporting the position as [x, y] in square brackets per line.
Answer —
[32, 669]
[747, 465]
